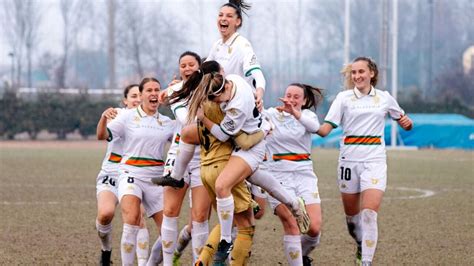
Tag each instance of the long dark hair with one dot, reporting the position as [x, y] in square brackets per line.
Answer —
[145, 81]
[193, 81]
[312, 95]
[193, 54]
[240, 7]
[127, 90]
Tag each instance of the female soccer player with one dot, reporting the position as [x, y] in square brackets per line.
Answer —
[362, 173]
[290, 163]
[234, 52]
[107, 195]
[145, 133]
[189, 62]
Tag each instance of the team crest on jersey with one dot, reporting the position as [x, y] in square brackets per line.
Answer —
[232, 111]
[376, 99]
[229, 50]
[136, 119]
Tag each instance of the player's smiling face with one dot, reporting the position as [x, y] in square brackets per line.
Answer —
[187, 65]
[149, 97]
[295, 95]
[361, 75]
[133, 98]
[227, 22]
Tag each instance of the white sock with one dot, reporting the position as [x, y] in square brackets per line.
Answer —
[128, 243]
[235, 231]
[199, 234]
[264, 180]
[225, 212]
[142, 246]
[183, 239]
[184, 155]
[169, 236]
[353, 226]
[156, 256]
[309, 243]
[368, 220]
[292, 245]
[105, 235]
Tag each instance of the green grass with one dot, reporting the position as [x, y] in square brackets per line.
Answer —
[48, 208]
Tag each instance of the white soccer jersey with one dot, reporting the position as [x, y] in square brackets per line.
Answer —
[362, 118]
[236, 56]
[180, 112]
[144, 139]
[289, 144]
[240, 111]
[113, 155]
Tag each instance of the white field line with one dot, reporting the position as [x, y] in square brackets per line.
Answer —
[420, 193]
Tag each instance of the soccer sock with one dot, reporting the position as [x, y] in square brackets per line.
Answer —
[208, 251]
[199, 234]
[142, 246]
[105, 235]
[169, 235]
[156, 256]
[128, 243]
[292, 245]
[242, 246]
[369, 230]
[183, 157]
[225, 211]
[353, 226]
[234, 232]
[264, 180]
[309, 243]
[183, 239]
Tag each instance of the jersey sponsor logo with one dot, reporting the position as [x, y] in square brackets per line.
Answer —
[253, 61]
[229, 125]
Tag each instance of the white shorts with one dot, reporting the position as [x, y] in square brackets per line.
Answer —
[302, 184]
[254, 156]
[355, 177]
[192, 175]
[150, 194]
[105, 182]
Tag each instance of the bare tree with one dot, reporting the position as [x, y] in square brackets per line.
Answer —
[73, 14]
[22, 19]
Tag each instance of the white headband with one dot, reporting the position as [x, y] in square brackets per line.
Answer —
[217, 92]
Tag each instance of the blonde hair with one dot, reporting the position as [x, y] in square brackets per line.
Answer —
[347, 69]
[209, 84]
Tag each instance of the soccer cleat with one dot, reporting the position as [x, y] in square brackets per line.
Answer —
[358, 260]
[302, 217]
[176, 257]
[307, 261]
[105, 258]
[223, 251]
[167, 180]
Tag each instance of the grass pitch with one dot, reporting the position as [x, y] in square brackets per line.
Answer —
[48, 208]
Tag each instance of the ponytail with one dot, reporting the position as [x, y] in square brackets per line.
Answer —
[312, 95]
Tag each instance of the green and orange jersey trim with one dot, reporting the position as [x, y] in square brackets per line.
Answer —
[143, 162]
[177, 138]
[363, 140]
[296, 157]
[115, 158]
